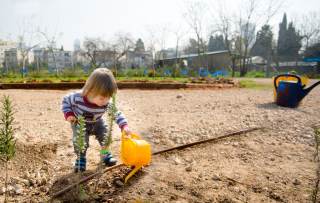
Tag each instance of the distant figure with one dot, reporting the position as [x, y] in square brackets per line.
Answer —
[91, 103]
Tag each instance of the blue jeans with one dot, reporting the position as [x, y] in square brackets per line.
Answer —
[98, 128]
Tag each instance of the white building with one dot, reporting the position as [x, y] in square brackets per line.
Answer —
[59, 59]
[136, 59]
[11, 59]
[5, 46]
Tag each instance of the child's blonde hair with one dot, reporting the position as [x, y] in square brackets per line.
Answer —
[100, 82]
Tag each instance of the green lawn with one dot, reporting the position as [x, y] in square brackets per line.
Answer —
[249, 83]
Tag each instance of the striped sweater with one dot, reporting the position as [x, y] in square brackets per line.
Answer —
[74, 104]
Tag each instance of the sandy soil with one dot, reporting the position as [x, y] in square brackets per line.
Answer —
[276, 164]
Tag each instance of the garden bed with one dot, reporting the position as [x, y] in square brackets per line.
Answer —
[276, 164]
[127, 84]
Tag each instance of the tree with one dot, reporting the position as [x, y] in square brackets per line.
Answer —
[262, 46]
[309, 28]
[195, 18]
[191, 47]
[224, 27]
[216, 43]
[239, 35]
[289, 41]
[293, 42]
[179, 34]
[24, 50]
[152, 42]
[7, 140]
[139, 47]
[247, 33]
[313, 51]
[50, 43]
[282, 42]
[124, 43]
[93, 48]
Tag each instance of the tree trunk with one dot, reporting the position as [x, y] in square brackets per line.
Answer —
[268, 65]
[233, 65]
[244, 67]
[176, 65]
[23, 65]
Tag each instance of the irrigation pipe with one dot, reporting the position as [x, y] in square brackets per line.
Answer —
[154, 153]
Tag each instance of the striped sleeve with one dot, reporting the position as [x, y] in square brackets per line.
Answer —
[121, 119]
[67, 105]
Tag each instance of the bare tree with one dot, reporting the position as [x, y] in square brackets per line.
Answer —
[125, 43]
[179, 33]
[309, 28]
[151, 45]
[161, 37]
[239, 34]
[223, 25]
[274, 6]
[194, 16]
[94, 48]
[27, 40]
[50, 43]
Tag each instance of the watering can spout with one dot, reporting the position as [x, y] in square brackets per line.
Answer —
[307, 90]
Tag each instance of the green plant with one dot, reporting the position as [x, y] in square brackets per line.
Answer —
[80, 135]
[111, 110]
[80, 142]
[248, 83]
[7, 140]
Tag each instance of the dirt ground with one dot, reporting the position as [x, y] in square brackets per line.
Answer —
[276, 164]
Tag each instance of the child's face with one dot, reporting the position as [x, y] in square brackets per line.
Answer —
[99, 100]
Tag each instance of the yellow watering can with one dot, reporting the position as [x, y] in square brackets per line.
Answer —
[134, 152]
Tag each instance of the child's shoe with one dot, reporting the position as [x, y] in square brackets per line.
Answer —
[80, 165]
[107, 159]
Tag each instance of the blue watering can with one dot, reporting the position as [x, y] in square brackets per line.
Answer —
[290, 93]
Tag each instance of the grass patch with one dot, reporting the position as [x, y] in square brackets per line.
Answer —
[254, 85]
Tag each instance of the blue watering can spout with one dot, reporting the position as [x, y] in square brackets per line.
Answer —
[307, 90]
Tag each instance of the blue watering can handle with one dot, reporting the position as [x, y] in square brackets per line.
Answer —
[285, 75]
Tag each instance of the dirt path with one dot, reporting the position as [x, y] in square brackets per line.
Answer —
[273, 165]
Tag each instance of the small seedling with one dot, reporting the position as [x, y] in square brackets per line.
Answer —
[80, 135]
[7, 140]
[111, 109]
[80, 142]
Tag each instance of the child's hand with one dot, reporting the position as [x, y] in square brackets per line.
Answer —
[72, 119]
[127, 131]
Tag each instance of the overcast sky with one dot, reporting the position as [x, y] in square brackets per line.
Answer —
[75, 19]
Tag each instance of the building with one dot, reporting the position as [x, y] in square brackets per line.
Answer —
[137, 59]
[40, 57]
[59, 60]
[76, 45]
[79, 58]
[4, 46]
[215, 60]
[11, 59]
[166, 53]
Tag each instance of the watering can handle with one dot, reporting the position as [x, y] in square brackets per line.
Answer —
[133, 135]
[285, 75]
